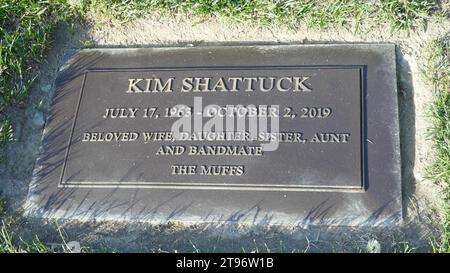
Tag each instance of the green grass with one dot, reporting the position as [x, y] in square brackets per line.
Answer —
[25, 34]
[6, 135]
[400, 15]
[437, 73]
[26, 28]
[8, 241]
[12, 242]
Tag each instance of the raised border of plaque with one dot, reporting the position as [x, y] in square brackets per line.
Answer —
[376, 202]
[227, 186]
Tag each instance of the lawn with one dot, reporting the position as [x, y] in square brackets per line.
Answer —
[27, 29]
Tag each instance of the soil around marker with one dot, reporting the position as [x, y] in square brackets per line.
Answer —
[420, 196]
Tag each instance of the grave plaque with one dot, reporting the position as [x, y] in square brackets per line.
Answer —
[299, 134]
